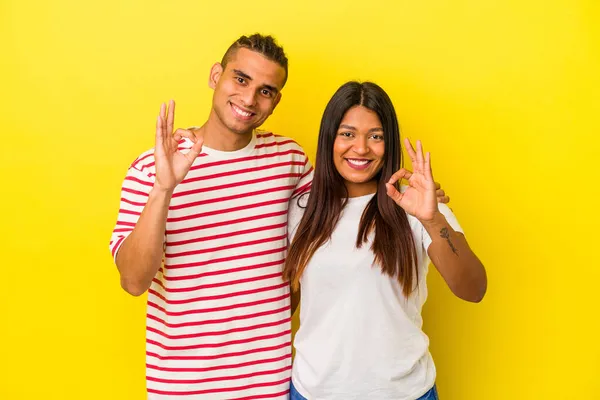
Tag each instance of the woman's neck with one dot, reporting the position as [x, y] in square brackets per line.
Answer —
[361, 189]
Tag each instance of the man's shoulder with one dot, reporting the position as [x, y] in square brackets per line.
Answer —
[270, 139]
[144, 161]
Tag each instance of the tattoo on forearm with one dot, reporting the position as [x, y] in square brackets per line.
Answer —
[446, 235]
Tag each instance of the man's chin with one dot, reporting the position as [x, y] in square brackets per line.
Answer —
[243, 129]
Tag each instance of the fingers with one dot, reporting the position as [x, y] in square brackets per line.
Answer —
[421, 163]
[170, 118]
[184, 133]
[159, 130]
[441, 196]
[160, 125]
[399, 175]
[195, 150]
[427, 167]
[443, 199]
[419, 155]
[411, 153]
[437, 185]
[393, 193]
[163, 116]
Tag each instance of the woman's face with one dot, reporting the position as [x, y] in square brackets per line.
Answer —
[358, 150]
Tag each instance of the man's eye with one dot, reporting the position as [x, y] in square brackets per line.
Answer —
[266, 92]
[240, 80]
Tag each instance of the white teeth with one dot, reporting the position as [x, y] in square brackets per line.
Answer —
[358, 162]
[240, 111]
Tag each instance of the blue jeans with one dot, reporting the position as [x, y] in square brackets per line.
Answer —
[430, 395]
[294, 395]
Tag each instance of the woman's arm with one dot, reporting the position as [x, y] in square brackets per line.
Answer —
[449, 250]
[454, 259]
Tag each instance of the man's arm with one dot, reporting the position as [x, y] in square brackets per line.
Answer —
[140, 255]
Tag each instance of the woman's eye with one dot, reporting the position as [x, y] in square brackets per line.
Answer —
[345, 134]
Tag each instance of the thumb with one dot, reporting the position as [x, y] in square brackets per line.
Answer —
[195, 150]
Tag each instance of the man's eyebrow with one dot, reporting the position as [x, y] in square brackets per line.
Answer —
[242, 74]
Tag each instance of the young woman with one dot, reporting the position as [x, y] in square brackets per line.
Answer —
[359, 256]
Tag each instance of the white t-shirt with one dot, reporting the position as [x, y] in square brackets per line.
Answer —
[359, 336]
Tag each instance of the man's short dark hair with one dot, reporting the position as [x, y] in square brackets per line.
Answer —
[265, 45]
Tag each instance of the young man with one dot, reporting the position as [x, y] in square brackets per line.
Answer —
[218, 322]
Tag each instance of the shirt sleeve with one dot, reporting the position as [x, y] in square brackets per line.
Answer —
[452, 221]
[296, 209]
[303, 185]
[134, 196]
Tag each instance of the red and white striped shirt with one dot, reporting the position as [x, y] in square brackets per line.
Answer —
[218, 319]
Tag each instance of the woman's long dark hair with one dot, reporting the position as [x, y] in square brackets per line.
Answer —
[393, 245]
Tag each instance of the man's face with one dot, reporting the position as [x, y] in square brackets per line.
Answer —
[246, 91]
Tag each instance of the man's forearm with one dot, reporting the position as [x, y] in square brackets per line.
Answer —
[141, 253]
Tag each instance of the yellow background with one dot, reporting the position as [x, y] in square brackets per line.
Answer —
[503, 93]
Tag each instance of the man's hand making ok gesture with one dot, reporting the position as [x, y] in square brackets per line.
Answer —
[171, 164]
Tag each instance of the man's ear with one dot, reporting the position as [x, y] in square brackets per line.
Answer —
[215, 74]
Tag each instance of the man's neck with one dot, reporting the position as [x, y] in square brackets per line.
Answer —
[218, 137]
